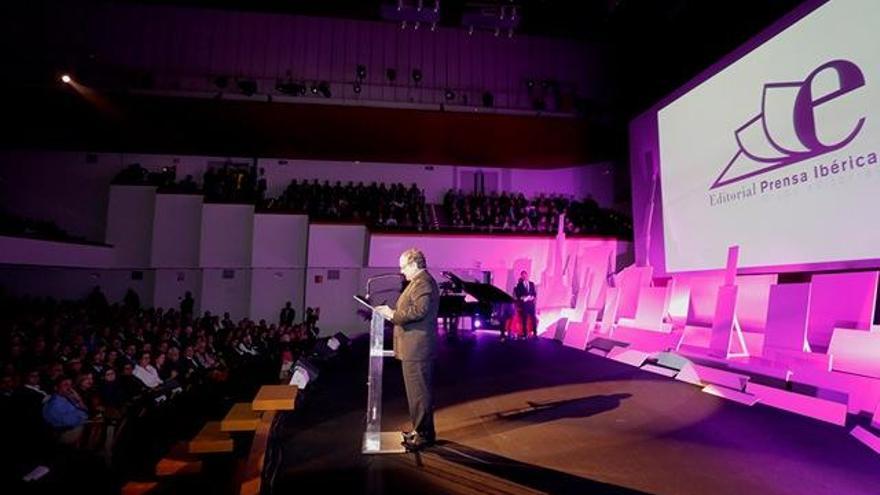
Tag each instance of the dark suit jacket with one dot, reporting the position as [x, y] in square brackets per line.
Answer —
[415, 319]
[521, 291]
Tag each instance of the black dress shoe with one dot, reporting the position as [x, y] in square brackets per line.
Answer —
[418, 442]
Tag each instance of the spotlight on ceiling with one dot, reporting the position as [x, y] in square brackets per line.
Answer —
[361, 72]
[417, 75]
[66, 79]
[357, 87]
[450, 95]
[314, 88]
[391, 74]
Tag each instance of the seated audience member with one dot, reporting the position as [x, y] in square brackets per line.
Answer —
[85, 388]
[146, 373]
[246, 347]
[55, 371]
[66, 412]
[31, 390]
[149, 376]
[96, 362]
[112, 394]
[174, 366]
[131, 386]
[7, 394]
[189, 361]
[166, 373]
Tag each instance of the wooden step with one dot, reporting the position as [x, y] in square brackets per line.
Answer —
[252, 474]
[138, 487]
[275, 398]
[241, 418]
[210, 440]
[179, 461]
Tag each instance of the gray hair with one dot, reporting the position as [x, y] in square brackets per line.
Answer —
[413, 255]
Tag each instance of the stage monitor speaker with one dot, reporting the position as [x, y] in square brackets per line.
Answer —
[304, 372]
[338, 341]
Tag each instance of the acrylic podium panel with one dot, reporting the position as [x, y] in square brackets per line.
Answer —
[855, 351]
[653, 303]
[787, 318]
[679, 302]
[583, 296]
[578, 333]
[722, 326]
[609, 312]
[377, 441]
[752, 300]
[630, 281]
[840, 300]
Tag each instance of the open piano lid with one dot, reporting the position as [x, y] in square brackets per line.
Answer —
[480, 291]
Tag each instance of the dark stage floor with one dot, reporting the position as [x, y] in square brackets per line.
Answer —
[535, 417]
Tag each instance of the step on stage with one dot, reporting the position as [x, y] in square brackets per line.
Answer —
[536, 417]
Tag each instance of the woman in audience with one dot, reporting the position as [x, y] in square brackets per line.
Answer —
[166, 373]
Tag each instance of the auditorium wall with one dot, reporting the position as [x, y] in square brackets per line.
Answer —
[72, 188]
[232, 259]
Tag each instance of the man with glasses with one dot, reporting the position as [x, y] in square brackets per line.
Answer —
[415, 342]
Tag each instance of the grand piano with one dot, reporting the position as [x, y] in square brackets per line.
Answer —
[491, 308]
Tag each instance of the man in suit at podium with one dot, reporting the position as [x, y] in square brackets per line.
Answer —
[415, 342]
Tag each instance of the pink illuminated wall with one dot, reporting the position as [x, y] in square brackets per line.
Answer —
[497, 254]
[74, 283]
[271, 288]
[226, 290]
[176, 231]
[279, 241]
[23, 251]
[172, 284]
[130, 224]
[337, 246]
[65, 187]
[227, 236]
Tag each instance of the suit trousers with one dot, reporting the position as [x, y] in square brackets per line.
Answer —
[418, 377]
